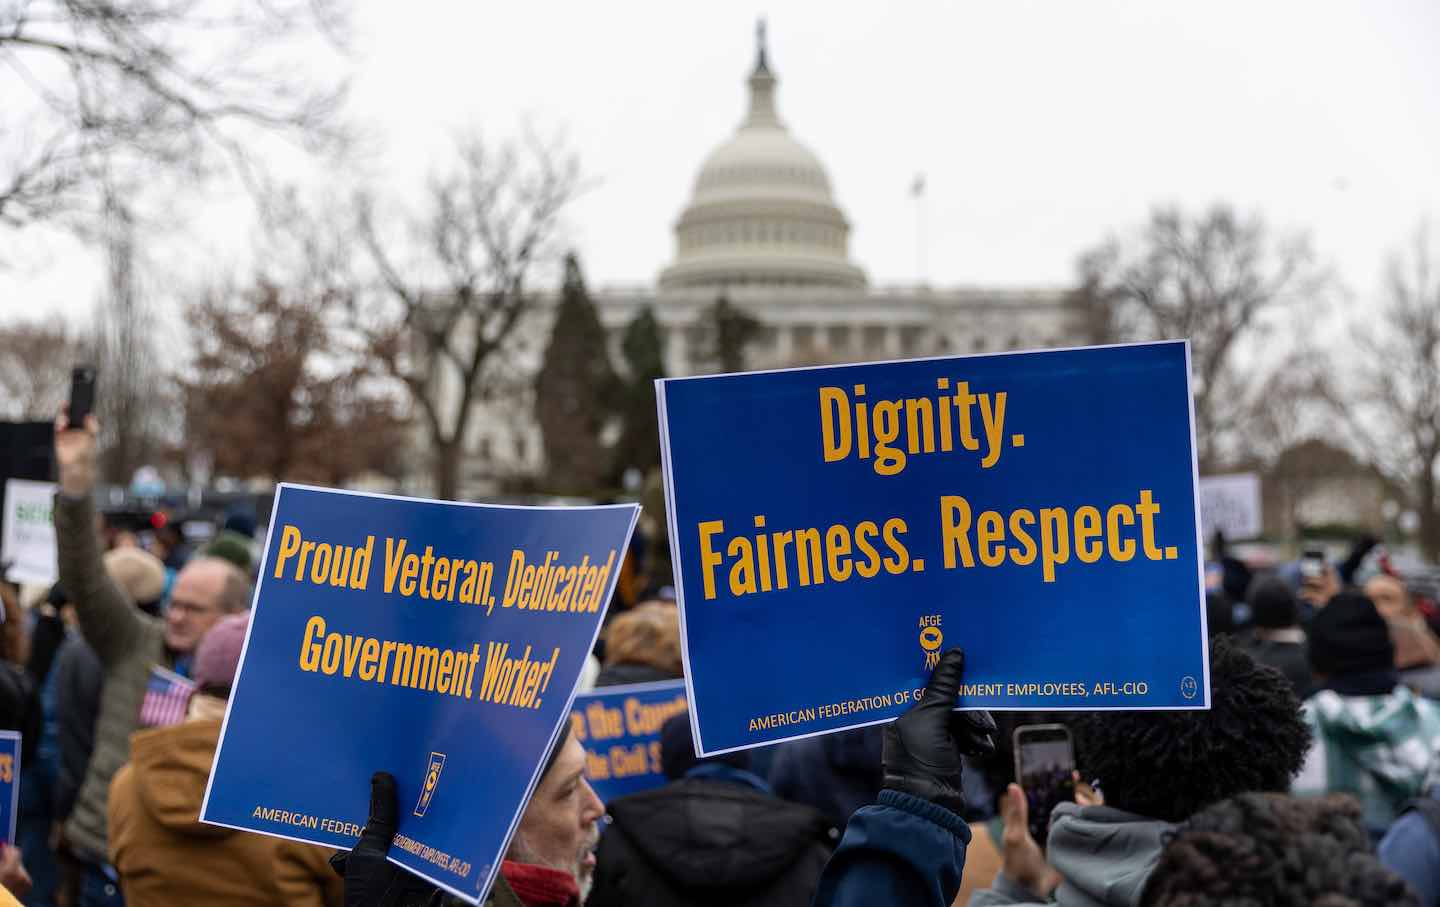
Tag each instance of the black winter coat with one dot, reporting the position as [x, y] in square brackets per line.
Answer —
[703, 842]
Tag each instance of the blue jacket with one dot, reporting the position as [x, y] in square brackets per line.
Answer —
[1411, 851]
[902, 850]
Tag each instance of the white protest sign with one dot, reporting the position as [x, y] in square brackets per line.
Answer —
[1231, 503]
[27, 532]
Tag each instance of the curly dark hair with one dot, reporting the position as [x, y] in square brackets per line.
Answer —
[1171, 765]
[1274, 850]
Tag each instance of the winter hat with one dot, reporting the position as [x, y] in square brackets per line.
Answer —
[233, 547]
[1348, 636]
[138, 573]
[1272, 603]
[218, 656]
[677, 749]
[559, 745]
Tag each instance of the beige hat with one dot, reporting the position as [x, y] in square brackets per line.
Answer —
[139, 573]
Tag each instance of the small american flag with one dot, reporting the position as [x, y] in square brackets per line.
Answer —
[167, 695]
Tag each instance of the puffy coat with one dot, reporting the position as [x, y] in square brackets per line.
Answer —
[709, 842]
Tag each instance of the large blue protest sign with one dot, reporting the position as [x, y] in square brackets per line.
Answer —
[9, 783]
[437, 641]
[834, 529]
[620, 728]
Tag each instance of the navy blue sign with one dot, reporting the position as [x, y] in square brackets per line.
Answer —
[835, 529]
[9, 783]
[437, 641]
[620, 728]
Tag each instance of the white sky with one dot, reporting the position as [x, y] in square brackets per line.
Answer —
[1040, 127]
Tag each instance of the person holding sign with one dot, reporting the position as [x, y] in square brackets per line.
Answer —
[551, 861]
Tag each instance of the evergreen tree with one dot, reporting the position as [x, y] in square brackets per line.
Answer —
[639, 444]
[575, 392]
[731, 330]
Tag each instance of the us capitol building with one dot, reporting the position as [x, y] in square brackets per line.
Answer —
[762, 227]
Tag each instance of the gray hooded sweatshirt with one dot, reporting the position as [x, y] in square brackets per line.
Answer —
[1105, 854]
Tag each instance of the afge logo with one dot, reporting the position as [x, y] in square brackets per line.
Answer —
[432, 781]
[931, 639]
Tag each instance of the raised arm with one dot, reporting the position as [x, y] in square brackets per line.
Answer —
[910, 847]
[108, 619]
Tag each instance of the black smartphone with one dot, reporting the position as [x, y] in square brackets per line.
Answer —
[82, 394]
[1312, 564]
[1045, 770]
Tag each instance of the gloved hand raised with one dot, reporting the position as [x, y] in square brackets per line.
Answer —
[922, 748]
[371, 880]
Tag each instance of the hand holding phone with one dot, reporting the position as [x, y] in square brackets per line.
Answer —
[1045, 771]
[82, 395]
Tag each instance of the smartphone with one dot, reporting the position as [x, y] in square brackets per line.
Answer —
[1312, 564]
[82, 394]
[1045, 770]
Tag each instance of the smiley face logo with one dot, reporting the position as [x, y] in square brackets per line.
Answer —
[931, 638]
[1188, 687]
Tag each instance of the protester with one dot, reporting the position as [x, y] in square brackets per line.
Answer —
[20, 710]
[550, 863]
[642, 645]
[1417, 650]
[1269, 849]
[164, 854]
[1373, 737]
[40, 775]
[909, 847]
[1276, 638]
[1155, 769]
[127, 641]
[716, 834]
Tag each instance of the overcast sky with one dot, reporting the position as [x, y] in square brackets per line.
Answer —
[1040, 126]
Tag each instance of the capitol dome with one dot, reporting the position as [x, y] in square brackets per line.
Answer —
[761, 213]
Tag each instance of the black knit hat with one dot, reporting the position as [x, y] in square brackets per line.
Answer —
[559, 745]
[1272, 603]
[1348, 636]
[677, 749]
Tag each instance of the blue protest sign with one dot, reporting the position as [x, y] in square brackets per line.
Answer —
[437, 641]
[834, 529]
[9, 783]
[620, 728]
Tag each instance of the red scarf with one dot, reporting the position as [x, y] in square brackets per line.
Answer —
[541, 886]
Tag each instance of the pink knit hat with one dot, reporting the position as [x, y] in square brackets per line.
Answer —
[218, 657]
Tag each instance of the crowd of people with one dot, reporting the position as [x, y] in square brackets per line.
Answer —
[1312, 779]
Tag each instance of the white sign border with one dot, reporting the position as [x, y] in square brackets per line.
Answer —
[667, 467]
[484, 888]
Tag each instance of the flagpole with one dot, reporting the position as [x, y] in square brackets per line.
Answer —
[917, 191]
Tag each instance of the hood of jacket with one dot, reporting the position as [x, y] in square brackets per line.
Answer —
[700, 833]
[1106, 855]
[1379, 733]
[170, 768]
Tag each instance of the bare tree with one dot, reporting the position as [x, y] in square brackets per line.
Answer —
[35, 362]
[1394, 410]
[457, 288]
[1214, 279]
[119, 90]
[274, 393]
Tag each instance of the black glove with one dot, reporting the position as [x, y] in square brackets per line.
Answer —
[923, 747]
[370, 879]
